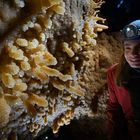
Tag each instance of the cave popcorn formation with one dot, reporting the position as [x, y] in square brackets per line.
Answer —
[40, 66]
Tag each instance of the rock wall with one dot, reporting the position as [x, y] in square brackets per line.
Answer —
[51, 68]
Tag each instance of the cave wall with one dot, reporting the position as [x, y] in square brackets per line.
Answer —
[53, 65]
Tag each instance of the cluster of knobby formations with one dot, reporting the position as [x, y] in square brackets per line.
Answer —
[46, 64]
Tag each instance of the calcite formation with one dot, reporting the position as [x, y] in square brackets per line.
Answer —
[42, 62]
[107, 52]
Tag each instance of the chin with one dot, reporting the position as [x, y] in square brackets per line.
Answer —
[134, 66]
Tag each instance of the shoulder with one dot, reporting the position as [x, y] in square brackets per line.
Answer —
[111, 72]
[112, 69]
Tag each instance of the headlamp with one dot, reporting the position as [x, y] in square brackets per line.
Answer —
[131, 32]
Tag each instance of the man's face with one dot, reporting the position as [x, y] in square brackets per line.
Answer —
[132, 53]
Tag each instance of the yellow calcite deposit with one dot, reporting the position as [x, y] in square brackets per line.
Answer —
[41, 64]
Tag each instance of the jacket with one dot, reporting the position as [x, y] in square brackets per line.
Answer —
[119, 110]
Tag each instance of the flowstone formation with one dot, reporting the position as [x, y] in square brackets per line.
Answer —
[43, 62]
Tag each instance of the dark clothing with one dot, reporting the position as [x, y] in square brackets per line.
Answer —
[134, 91]
[122, 123]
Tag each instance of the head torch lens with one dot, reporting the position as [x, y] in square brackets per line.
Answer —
[130, 31]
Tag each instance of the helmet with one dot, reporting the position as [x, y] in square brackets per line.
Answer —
[132, 31]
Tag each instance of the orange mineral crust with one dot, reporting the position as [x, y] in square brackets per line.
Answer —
[42, 63]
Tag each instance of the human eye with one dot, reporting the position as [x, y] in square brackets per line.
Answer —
[127, 48]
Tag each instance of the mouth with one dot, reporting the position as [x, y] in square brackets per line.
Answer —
[134, 60]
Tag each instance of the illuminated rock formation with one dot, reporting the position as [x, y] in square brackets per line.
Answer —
[43, 63]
